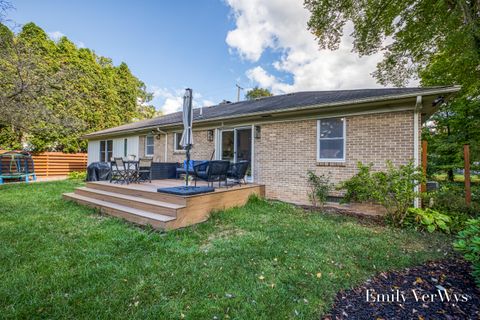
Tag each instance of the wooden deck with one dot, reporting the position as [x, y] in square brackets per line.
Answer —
[142, 204]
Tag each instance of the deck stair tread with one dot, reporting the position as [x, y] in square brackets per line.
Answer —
[134, 198]
[138, 191]
[129, 210]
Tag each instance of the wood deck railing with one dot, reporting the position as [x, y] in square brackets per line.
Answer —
[50, 164]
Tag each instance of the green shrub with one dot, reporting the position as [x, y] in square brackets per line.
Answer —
[359, 187]
[394, 188]
[428, 219]
[459, 220]
[77, 175]
[320, 186]
[468, 244]
[451, 198]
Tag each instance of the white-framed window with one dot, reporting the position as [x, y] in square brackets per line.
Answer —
[331, 140]
[177, 137]
[149, 145]
[106, 150]
[125, 147]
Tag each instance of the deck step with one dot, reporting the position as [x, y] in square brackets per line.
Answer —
[147, 192]
[128, 213]
[146, 204]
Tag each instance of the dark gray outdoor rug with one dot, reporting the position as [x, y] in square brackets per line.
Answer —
[186, 191]
[436, 290]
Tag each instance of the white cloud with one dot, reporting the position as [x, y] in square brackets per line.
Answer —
[171, 100]
[207, 103]
[265, 80]
[55, 35]
[281, 25]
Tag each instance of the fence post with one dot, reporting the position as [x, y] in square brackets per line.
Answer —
[466, 157]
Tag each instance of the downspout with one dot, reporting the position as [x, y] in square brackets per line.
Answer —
[416, 147]
[252, 156]
[166, 147]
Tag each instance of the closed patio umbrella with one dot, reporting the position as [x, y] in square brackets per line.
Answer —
[186, 142]
[187, 139]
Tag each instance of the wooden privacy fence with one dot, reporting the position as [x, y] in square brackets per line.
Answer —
[50, 164]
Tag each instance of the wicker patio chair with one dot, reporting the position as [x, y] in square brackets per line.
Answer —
[238, 171]
[212, 171]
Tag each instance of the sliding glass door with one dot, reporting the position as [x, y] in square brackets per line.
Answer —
[236, 145]
[243, 144]
[228, 145]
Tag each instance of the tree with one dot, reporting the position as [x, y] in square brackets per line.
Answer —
[257, 93]
[436, 41]
[25, 80]
[455, 124]
[4, 7]
[52, 93]
[424, 32]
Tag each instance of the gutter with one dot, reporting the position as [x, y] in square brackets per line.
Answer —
[451, 89]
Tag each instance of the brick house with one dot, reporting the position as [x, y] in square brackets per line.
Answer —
[284, 136]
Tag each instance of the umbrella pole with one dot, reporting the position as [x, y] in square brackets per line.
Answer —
[188, 165]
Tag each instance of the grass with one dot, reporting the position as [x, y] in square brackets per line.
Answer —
[457, 177]
[264, 261]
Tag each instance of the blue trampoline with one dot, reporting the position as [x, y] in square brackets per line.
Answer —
[16, 166]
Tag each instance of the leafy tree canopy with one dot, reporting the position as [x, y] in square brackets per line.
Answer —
[436, 41]
[52, 93]
[416, 36]
[257, 93]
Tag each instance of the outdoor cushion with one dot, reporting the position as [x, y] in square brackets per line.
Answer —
[182, 170]
[202, 174]
[192, 163]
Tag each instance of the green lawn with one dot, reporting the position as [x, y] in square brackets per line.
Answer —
[456, 177]
[263, 261]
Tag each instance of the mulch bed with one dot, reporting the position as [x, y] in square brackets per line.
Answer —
[428, 283]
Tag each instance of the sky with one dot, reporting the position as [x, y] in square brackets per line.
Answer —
[207, 45]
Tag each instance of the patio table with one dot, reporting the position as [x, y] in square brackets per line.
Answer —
[131, 166]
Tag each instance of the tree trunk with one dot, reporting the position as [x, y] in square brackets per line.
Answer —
[450, 176]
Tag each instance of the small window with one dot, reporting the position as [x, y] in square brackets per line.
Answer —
[125, 147]
[106, 150]
[149, 146]
[177, 137]
[331, 140]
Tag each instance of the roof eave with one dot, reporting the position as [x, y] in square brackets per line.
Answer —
[446, 90]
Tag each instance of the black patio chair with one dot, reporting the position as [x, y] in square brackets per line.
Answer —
[238, 171]
[182, 168]
[144, 171]
[212, 171]
[120, 173]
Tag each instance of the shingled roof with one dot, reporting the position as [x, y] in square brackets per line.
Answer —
[279, 103]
